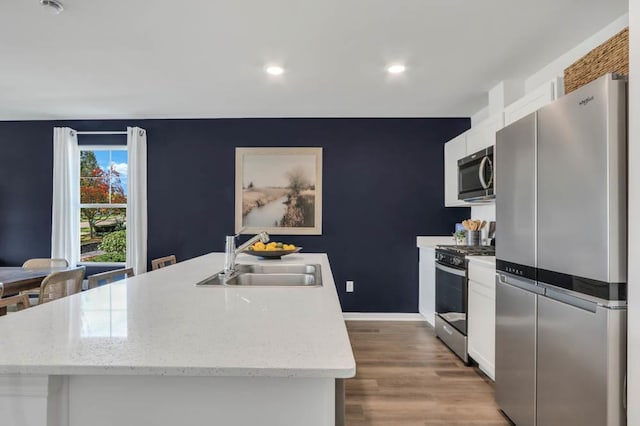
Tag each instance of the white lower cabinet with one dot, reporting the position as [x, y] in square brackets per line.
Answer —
[427, 286]
[482, 316]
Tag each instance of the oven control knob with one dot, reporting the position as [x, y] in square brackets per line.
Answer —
[457, 261]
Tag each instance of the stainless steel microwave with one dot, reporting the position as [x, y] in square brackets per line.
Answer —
[475, 176]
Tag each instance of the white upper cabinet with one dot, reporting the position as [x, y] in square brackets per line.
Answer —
[532, 102]
[483, 134]
[454, 150]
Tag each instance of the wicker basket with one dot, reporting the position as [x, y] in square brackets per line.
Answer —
[611, 56]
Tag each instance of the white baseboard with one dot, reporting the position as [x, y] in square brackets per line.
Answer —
[382, 316]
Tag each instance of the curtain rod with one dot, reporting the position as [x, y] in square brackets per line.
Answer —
[101, 133]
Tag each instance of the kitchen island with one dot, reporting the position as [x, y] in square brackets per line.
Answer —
[155, 349]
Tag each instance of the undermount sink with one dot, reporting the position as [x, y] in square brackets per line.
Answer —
[272, 280]
[279, 269]
[262, 275]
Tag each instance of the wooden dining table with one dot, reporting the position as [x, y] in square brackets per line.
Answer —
[14, 279]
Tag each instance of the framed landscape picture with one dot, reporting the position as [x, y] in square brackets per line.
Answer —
[279, 190]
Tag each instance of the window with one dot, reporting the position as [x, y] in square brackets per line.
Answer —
[103, 204]
[92, 187]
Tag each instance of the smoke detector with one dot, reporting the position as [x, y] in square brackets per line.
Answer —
[53, 6]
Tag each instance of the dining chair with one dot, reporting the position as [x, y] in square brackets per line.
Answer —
[41, 263]
[20, 301]
[61, 284]
[163, 262]
[109, 277]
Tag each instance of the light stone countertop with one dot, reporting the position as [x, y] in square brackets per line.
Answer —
[160, 323]
[432, 242]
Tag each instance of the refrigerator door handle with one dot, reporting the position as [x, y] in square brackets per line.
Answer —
[520, 283]
[571, 300]
[624, 393]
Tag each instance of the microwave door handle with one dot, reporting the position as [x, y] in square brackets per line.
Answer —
[491, 170]
[483, 163]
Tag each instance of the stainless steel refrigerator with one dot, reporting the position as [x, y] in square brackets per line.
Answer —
[561, 260]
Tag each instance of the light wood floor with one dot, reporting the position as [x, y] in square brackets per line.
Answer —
[406, 377]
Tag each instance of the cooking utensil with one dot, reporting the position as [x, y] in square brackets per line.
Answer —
[492, 229]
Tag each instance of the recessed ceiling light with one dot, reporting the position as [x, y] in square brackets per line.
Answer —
[53, 6]
[396, 69]
[274, 70]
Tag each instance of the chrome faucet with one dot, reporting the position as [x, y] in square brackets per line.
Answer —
[230, 250]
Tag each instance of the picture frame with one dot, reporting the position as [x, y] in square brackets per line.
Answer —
[278, 190]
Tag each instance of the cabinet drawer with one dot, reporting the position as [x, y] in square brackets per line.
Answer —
[482, 274]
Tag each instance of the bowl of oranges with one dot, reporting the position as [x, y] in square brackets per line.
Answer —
[272, 250]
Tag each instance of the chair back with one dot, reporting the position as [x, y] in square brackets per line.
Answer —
[109, 277]
[61, 284]
[41, 263]
[163, 262]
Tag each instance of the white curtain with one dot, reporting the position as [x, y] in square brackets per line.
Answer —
[137, 200]
[65, 226]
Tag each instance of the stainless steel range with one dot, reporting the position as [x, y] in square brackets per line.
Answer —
[452, 294]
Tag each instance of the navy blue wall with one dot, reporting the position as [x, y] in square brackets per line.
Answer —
[383, 186]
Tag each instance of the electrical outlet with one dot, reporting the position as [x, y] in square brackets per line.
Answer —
[349, 286]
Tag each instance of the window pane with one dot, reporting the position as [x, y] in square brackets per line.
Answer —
[103, 235]
[119, 173]
[103, 176]
[118, 188]
[90, 161]
[94, 190]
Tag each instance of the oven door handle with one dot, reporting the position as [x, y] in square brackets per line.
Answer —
[458, 272]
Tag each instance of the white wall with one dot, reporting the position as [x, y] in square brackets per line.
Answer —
[633, 365]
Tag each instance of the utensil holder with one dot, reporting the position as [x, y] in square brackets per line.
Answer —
[473, 238]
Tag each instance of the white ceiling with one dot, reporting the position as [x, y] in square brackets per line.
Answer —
[205, 58]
